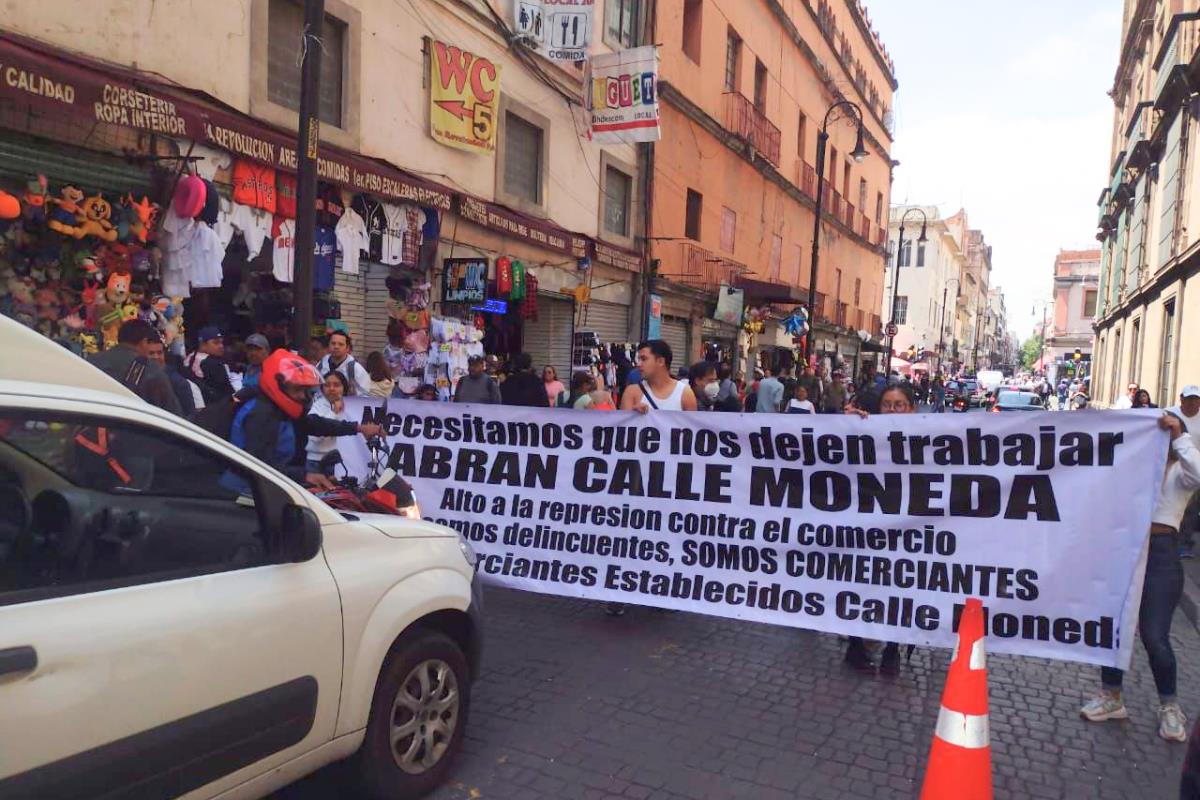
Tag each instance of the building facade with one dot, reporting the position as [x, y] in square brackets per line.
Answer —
[1076, 293]
[524, 187]
[927, 292]
[1149, 257]
[745, 88]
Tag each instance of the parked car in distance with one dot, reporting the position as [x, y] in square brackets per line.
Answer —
[1017, 401]
[163, 634]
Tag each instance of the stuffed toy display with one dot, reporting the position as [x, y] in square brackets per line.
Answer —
[66, 212]
[93, 219]
[36, 193]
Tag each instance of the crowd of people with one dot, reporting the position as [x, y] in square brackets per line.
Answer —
[288, 410]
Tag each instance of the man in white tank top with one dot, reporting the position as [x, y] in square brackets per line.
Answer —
[658, 391]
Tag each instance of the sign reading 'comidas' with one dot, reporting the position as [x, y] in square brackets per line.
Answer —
[879, 528]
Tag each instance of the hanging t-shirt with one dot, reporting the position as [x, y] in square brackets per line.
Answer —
[206, 160]
[518, 281]
[392, 242]
[283, 236]
[254, 185]
[407, 222]
[375, 221]
[254, 224]
[285, 198]
[223, 227]
[324, 245]
[503, 276]
[352, 239]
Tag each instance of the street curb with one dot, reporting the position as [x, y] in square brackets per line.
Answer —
[1190, 601]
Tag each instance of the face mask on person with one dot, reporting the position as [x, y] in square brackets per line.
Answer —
[712, 390]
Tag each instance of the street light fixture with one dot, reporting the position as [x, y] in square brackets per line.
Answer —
[942, 317]
[860, 152]
[896, 278]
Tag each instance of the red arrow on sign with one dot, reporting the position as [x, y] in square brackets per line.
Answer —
[454, 107]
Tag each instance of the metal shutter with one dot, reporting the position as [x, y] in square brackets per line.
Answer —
[548, 338]
[23, 157]
[610, 321]
[375, 321]
[676, 331]
[350, 291]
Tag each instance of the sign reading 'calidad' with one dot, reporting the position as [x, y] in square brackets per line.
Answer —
[879, 528]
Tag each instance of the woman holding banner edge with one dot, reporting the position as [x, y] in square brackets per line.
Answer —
[1161, 590]
[897, 399]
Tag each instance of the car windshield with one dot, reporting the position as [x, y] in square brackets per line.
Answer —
[1017, 399]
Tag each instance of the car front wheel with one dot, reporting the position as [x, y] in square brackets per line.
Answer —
[418, 717]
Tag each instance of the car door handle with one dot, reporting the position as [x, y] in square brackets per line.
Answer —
[18, 659]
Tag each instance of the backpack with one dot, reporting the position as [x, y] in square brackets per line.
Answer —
[217, 417]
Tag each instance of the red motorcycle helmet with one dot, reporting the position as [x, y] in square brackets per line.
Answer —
[283, 368]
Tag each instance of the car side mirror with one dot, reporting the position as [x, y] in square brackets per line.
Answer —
[300, 537]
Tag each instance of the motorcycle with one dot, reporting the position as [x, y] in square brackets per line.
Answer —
[382, 492]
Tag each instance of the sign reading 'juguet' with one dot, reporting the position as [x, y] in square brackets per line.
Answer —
[879, 528]
[623, 96]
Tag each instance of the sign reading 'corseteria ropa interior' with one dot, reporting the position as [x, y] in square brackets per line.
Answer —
[879, 528]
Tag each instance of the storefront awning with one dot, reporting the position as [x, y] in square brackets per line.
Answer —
[763, 292]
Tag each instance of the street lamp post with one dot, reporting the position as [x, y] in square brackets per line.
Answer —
[859, 153]
[1045, 304]
[896, 277]
[942, 318]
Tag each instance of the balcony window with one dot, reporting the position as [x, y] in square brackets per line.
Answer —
[801, 136]
[760, 86]
[618, 198]
[523, 151]
[901, 310]
[728, 229]
[695, 207]
[285, 20]
[1089, 303]
[621, 21]
[733, 60]
[693, 11]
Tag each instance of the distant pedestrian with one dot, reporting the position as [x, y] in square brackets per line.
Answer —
[130, 364]
[554, 387]
[937, 395]
[770, 393]
[341, 358]
[1126, 400]
[1141, 399]
[702, 378]
[477, 386]
[800, 404]
[185, 390]
[582, 386]
[834, 399]
[523, 387]
[257, 350]
[206, 366]
[728, 398]
[1161, 590]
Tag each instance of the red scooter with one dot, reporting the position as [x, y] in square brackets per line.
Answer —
[383, 491]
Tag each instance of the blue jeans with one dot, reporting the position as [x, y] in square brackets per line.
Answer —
[1160, 595]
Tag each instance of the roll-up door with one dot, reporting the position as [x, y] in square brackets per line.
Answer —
[350, 290]
[375, 310]
[547, 339]
[610, 321]
[23, 157]
[676, 331]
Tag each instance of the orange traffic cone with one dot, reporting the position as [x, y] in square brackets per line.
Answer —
[960, 760]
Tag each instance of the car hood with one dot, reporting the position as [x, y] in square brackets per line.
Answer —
[402, 528]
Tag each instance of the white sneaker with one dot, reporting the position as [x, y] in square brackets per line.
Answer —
[1104, 706]
[1172, 723]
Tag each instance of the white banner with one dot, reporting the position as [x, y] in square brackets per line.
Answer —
[561, 30]
[880, 528]
[623, 96]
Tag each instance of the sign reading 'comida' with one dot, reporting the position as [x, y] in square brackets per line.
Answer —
[881, 528]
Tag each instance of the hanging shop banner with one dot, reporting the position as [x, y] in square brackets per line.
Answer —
[63, 89]
[654, 320]
[464, 280]
[880, 527]
[623, 100]
[510, 223]
[617, 256]
[561, 30]
[464, 94]
[730, 303]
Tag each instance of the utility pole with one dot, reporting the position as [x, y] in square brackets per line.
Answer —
[308, 137]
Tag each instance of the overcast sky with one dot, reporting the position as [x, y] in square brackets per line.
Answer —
[1003, 110]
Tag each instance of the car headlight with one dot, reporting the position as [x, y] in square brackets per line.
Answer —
[467, 551]
[411, 512]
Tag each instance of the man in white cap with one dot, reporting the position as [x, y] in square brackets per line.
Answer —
[1188, 410]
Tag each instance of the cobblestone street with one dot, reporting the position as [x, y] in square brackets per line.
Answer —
[577, 704]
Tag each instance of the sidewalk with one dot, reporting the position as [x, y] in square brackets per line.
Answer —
[1189, 604]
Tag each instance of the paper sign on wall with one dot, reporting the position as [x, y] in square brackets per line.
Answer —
[561, 30]
[464, 93]
[623, 96]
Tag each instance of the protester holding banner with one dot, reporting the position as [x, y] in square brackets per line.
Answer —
[1161, 590]
[523, 387]
[657, 390]
[894, 400]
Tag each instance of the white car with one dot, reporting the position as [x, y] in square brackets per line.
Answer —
[161, 637]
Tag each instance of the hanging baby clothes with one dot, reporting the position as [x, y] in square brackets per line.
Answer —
[254, 224]
[283, 257]
[352, 240]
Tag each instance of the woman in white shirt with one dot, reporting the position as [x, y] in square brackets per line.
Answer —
[800, 404]
[1161, 590]
[331, 405]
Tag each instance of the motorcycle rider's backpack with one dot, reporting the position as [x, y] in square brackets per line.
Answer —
[217, 417]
